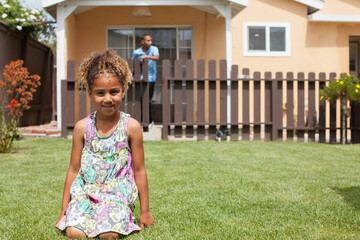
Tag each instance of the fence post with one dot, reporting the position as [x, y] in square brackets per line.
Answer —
[178, 100]
[290, 106]
[245, 132]
[322, 110]
[201, 100]
[212, 103]
[189, 98]
[276, 102]
[223, 92]
[257, 107]
[145, 94]
[333, 129]
[138, 85]
[72, 107]
[268, 106]
[166, 98]
[301, 107]
[123, 106]
[312, 118]
[64, 115]
[234, 131]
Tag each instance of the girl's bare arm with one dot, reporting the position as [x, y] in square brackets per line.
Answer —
[75, 163]
[137, 149]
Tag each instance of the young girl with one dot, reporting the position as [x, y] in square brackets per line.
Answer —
[107, 169]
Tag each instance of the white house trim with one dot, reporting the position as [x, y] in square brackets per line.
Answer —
[333, 18]
[317, 4]
[62, 13]
[48, 3]
[244, 3]
[204, 5]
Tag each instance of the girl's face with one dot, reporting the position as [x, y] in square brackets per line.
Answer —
[107, 93]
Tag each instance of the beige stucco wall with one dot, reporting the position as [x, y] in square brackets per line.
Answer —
[70, 35]
[86, 32]
[343, 7]
[315, 47]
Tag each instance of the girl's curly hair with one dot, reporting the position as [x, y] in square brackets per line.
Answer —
[106, 62]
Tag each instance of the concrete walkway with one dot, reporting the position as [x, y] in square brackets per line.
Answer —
[44, 131]
[50, 131]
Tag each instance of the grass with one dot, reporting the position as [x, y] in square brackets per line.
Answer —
[202, 190]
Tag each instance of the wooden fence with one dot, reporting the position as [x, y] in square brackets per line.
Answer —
[39, 59]
[270, 107]
[77, 105]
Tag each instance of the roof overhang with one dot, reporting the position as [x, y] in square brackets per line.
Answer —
[334, 18]
[204, 5]
[312, 5]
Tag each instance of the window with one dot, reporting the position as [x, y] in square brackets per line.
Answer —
[266, 39]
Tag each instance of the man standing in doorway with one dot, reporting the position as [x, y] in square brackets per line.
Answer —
[147, 51]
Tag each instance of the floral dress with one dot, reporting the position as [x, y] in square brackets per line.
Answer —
[104, 192]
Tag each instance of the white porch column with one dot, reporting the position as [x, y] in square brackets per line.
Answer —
[225, 11]
[62, 12]
[228, 40]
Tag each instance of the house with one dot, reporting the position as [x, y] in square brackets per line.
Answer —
[262, 35]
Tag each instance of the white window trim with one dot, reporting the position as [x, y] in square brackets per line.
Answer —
[267, 52]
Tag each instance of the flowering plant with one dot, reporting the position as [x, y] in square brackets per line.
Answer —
[347, 87]
[26, 20]
[18, 86]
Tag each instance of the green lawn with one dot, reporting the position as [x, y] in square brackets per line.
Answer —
[202, 190]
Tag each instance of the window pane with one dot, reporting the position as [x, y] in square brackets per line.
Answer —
[277, 39]
[256, 38]
[120, 38]
[185, 37]
[184, 54]
[124, 53]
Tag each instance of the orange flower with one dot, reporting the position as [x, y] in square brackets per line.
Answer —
[23, 100]
[13, 103]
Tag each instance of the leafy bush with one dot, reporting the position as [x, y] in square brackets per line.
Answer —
[18, 86]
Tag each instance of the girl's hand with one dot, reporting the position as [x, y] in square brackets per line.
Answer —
[146, 219]
[60, 217]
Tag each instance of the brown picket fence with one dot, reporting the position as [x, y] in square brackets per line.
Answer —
[268, 106]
